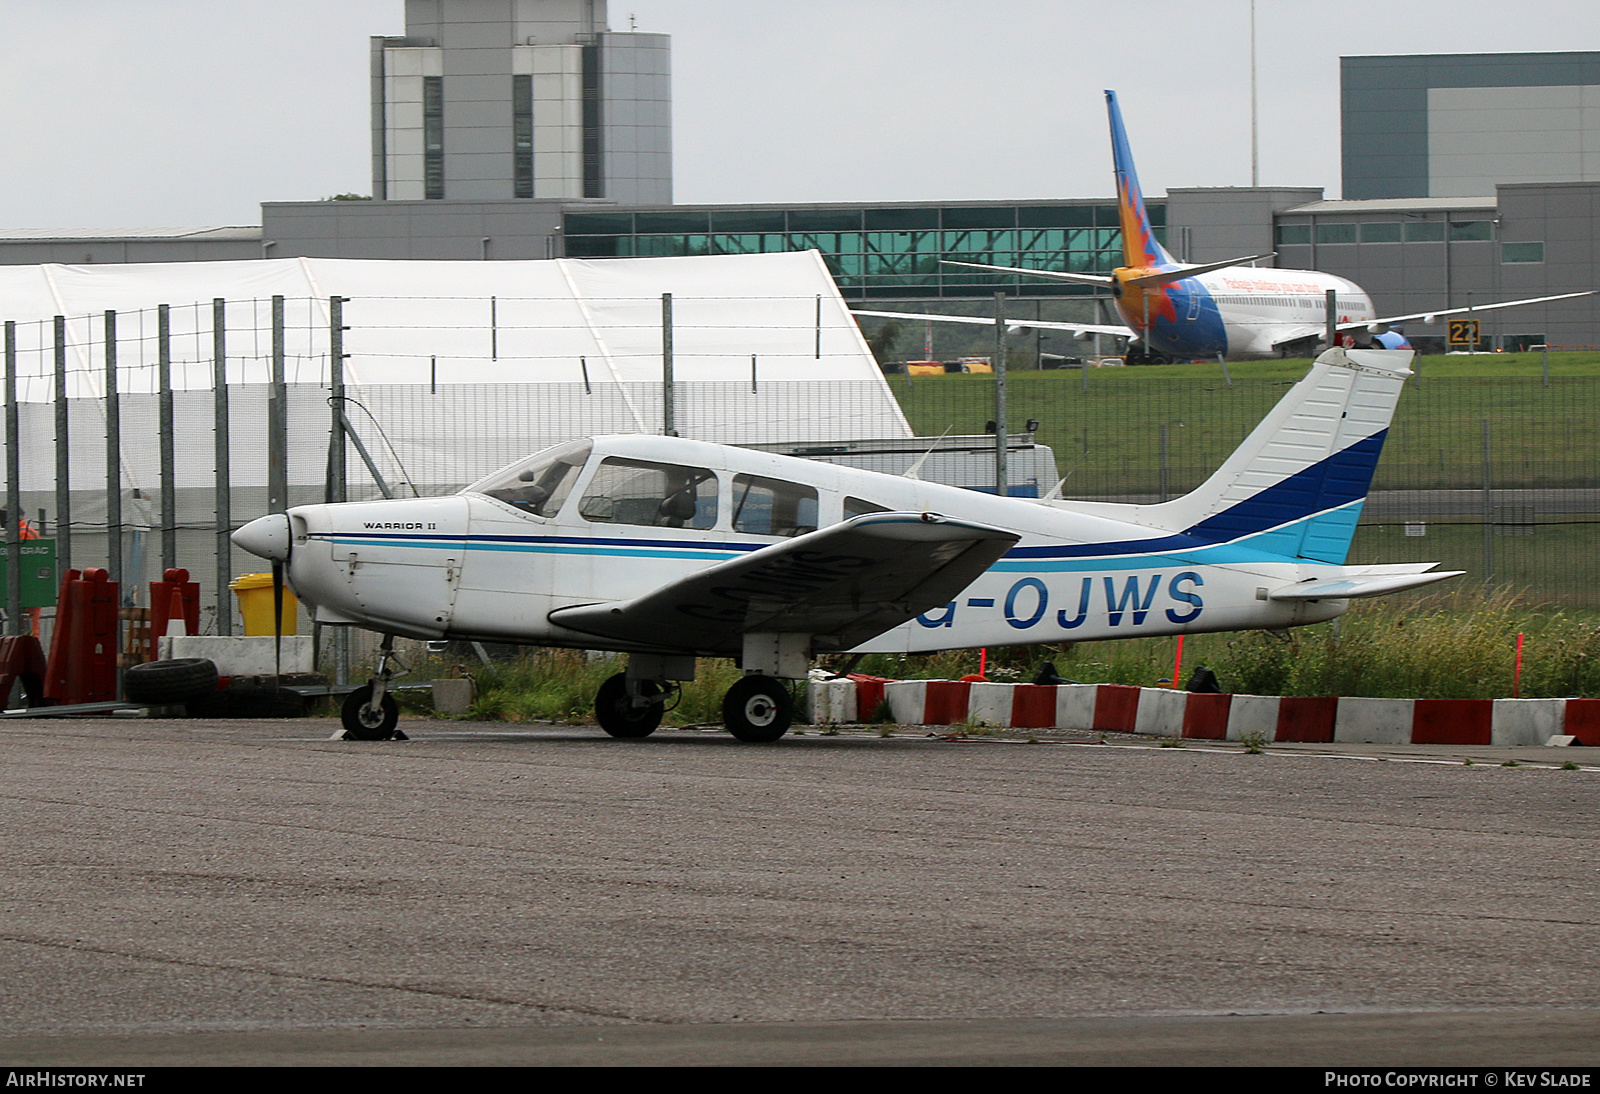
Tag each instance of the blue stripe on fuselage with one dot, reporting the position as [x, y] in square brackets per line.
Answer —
[1307, 515]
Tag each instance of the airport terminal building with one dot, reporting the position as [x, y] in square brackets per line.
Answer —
[527, 129]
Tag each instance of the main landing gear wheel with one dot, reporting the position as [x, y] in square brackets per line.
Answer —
[758, 709]
[365, 723]
[620, 718]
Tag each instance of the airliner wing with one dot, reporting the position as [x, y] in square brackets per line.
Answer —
[1429, 316]
[1076, 328]
[842, 585]
[1049, 275]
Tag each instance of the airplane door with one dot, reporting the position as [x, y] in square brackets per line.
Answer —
[406, 572]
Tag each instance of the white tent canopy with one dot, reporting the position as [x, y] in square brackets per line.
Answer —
[564, 320]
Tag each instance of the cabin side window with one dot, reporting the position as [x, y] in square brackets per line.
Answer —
[656, 495]
[540, 484]
[855, 507]
[772, 507]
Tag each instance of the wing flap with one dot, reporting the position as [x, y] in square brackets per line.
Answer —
[842, 585]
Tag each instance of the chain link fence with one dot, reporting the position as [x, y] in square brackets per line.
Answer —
[1495, 476]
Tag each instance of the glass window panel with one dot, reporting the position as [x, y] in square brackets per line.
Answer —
[1293, 233]
[824, 220]
[1336, 233]
[855, 507]
[901, 220]
[1522, 252]
[540, 483]
[1107, 216]
[1381, 232]
[993, 217]
[749, 220]
[670, 222]
[1055, 216]
[1471, 231]
[657, 495]
[772, 507]
[1424, 231]
[597, 224]
[598, 247]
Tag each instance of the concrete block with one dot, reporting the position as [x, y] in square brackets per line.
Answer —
[453, 696]
[1205, 716]
[241, 655]
[833, 702]
[1527, 721]
[990, 704]
[1075, 705]
[1373, 721]
[907, 700]
[1252, 716]
[1160, 712]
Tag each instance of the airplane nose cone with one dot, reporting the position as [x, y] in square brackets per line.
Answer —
[266, 536]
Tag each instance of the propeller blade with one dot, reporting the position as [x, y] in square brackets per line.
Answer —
[277, 622]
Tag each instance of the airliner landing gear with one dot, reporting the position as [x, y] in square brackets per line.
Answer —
[758, 709]
[625, 712]
[370, 712]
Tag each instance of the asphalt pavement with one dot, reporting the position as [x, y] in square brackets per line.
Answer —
[203, 892]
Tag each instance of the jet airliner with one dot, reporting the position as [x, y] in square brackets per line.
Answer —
[1222, 309]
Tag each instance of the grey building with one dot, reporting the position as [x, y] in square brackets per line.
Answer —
[1455, 125]
[1418, 254]
[492, 100]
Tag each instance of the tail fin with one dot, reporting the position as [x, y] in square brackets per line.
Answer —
[1296, 486]
[1140, 248]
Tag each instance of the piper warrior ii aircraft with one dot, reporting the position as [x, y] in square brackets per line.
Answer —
[669, 549]
[1219, 309]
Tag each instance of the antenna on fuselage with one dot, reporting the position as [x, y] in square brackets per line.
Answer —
[911, 472]
[1055, 491]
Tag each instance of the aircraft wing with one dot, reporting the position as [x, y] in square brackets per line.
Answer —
[1076, 328]
[842, 585]
[1429, 316]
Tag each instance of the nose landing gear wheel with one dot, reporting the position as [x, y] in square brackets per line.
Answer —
[758, 709]
[364, 723]
[620, 718]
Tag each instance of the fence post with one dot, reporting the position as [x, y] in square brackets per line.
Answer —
[669, 424]
[13, 489]
[1163, 469]
[63, 453]
[277, 420]
[336, 490]
[223, 482]
[169, 472]
[113, 454]
[1000, 476]
[1488, 515]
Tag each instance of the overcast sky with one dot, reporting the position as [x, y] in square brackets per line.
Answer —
[115, 114]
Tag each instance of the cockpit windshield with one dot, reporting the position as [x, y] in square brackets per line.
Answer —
[540, 483]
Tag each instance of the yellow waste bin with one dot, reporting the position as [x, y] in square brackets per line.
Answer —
[255, 604]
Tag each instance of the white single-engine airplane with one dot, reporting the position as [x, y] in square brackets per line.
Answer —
[1218, 309]
[670, 549]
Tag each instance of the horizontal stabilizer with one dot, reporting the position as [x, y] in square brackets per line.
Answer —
[842, 585]
[1167, 277]
[1049, 275]
[1360, 585]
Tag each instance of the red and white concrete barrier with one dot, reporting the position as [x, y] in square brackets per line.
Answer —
[1164, 712]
